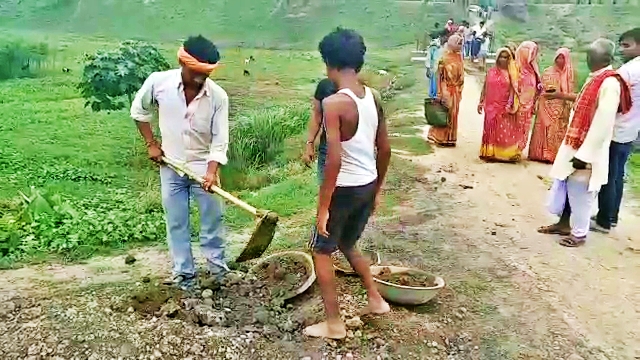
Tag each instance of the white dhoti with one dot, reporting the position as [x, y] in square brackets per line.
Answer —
[581, 201]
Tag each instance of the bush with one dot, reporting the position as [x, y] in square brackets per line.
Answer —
[19, 59]
[110, 77]
[257, 139]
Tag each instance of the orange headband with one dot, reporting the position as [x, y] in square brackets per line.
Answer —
[192, 63]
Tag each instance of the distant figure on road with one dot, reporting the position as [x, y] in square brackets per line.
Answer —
[450, 83]
[358, 155]
[582, 164]
[552, 118]
[194, 125]
[450, 27]
[468, 40]
[625, 132]
[529, 88]
[499, 103]
[479, 30]
[434, 54]
[484, 51]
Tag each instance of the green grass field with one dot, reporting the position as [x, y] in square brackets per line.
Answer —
[568, 25]
[246, 23]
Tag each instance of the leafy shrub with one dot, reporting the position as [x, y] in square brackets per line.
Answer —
[20, 59]
[47, 224]
[110, 77]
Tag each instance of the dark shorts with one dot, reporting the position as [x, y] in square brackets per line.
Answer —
[348, 215]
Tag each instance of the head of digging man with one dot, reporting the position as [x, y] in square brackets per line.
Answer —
[600, 54]
[203, 51]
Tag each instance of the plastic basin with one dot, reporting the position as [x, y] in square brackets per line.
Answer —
[405, 295]
[373, 255]
[305, 258]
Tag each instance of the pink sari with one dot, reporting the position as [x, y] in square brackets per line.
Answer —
[552, 116]
[501, 132]
[528, 88]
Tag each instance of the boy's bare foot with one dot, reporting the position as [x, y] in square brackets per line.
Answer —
[327, 329]
[377, 306]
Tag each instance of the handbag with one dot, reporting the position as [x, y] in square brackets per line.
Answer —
[436, 112]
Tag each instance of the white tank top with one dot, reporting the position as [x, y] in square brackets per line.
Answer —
[358, 153]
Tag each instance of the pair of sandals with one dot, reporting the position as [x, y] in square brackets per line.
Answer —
[568, 240]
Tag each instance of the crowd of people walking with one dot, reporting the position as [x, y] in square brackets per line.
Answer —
[587, 135]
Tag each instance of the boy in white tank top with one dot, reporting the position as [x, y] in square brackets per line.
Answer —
[358, 155]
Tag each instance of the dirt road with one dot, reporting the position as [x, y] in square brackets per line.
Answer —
[595, 289]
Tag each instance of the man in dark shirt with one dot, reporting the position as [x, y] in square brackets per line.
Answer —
[324, 89]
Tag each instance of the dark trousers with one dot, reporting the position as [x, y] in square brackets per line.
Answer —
[475, 47]
[610, 196]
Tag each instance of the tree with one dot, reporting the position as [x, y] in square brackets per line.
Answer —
[111, 77]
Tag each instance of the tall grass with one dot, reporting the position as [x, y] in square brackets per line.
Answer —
[20, 59]
[257, 140]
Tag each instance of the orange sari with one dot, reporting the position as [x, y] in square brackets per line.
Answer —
[552, 117]
[450, 84]
[528, 91]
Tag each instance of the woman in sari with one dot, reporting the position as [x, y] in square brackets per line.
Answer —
[499, 101]
[553, 112]
[450, 83]
[529, 88]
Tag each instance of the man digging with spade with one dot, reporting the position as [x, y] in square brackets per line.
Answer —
[353, 175]
[193, 116]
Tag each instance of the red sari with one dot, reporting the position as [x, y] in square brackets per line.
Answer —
[528, 88]
[501, 133]
[450, 84]
[552, 117]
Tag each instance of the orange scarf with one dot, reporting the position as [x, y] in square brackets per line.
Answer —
[587, 103]
[192, 63]
[567, 74]
[514, 75]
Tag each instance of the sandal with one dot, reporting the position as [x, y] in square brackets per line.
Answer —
[553, 230]
[573, 241]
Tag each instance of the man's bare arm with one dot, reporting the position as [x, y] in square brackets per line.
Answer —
[332, 108]
[141, 112]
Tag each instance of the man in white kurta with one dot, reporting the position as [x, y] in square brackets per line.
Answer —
[593, 155]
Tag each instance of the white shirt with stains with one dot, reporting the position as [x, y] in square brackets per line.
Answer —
[193, 135]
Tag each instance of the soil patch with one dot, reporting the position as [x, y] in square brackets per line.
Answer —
[413, 278]
[251, 302]
[150, 300]
[282, 275]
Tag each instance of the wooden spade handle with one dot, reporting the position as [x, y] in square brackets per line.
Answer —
[214, 189]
